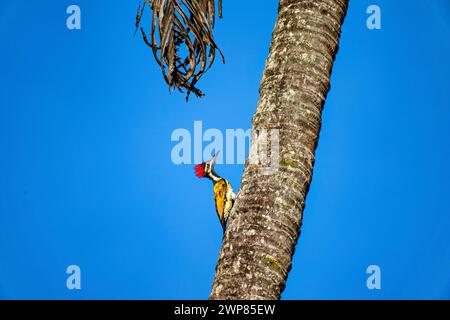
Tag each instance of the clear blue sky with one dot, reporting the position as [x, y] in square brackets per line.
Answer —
[86, 175]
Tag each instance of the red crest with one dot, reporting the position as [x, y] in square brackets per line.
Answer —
[200, 170]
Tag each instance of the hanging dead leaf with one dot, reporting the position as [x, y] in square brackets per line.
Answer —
[181, 39]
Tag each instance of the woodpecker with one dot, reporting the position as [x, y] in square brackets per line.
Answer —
[224, 195]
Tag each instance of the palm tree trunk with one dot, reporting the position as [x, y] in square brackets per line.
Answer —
[264, 226]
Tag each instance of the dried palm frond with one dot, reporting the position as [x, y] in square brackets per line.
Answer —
[186, 48]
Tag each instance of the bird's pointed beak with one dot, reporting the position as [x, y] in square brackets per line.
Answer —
[213, 160]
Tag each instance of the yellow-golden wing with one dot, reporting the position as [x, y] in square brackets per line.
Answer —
[220, 190]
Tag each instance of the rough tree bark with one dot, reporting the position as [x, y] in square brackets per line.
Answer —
[257, 249]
